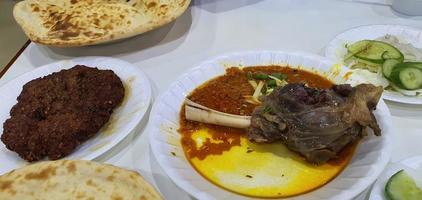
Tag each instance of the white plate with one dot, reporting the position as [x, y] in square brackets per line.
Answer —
[369, 160]
[123, 120]
[414, 163]
[336, 51]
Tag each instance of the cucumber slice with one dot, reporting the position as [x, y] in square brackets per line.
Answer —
[388, 66]
[413, 64]
[402, 187]
[367, 62]
[409, 78]
[375, 51]
[363, 64]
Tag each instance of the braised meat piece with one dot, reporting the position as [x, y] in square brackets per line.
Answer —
[56, 113]
[317, 123]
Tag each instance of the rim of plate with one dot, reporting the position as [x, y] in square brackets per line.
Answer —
[135, 119]
[359, 187]
[332, 47]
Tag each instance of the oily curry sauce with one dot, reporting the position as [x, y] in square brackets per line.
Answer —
[226, 93]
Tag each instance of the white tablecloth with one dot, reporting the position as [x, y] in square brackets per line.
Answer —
[214, 27]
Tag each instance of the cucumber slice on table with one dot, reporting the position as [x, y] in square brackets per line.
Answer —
[402, 187]
[405, 77]
[375, 51]
[388, 66]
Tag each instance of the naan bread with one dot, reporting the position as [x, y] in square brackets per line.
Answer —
[69, 23]
[71, 180]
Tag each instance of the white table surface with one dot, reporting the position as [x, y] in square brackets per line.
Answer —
[214, 27]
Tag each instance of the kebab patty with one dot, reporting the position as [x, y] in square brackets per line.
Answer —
[56, 113]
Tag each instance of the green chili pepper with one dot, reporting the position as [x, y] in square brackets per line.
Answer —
[271, 83]
[260, 76]
[264, 89]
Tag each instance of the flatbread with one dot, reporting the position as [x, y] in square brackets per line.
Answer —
[68, 23]
[71, 180]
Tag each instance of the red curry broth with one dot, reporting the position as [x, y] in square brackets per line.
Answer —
[226, 93]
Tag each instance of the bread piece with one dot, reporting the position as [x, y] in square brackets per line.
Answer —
[68, 23]
[74, 179]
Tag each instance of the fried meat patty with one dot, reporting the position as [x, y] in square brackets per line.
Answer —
[58, 112]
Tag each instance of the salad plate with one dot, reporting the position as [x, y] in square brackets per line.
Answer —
[407, 40]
